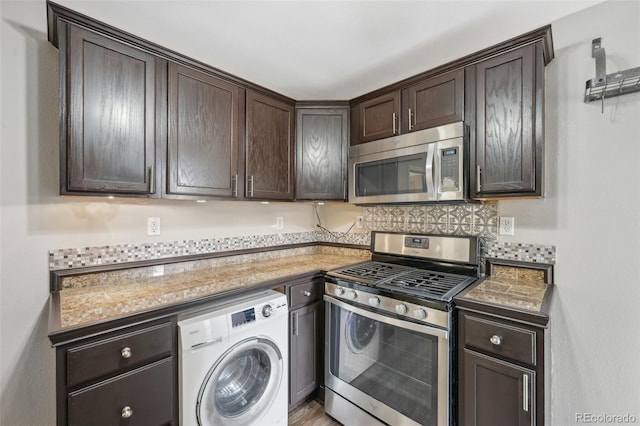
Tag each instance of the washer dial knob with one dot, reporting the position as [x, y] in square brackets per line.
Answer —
[267, 310]
[420, 313]
[401, 309]
[374, 301]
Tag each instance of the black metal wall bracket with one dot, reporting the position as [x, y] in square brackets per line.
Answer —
[605, 85]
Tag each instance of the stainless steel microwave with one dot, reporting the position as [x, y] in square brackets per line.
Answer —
[423, 166]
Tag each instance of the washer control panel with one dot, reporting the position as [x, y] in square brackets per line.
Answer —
[258, 312]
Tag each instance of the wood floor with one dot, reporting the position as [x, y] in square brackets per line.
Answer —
[311, 414]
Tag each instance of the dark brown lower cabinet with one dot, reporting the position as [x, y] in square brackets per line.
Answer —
[501, 371]
[497, 392]
[119, 377]
[305, 340]
[305, 327]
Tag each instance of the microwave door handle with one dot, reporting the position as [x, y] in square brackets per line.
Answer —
[429, 171]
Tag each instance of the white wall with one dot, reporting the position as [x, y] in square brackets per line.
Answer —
[591, 213]
[591, 217]
[35, 219]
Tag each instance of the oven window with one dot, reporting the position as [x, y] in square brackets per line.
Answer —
[398, 175]
[396, 366]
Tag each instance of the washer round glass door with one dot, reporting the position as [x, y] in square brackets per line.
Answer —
[241, 385]
[359, 332]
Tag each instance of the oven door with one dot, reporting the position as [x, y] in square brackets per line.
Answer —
[397, 371]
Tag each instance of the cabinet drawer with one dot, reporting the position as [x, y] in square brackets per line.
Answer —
[146, 391]
[304, 294]
[117, 353]
[500, 338]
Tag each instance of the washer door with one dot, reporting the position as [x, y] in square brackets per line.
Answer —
[359, 332]
[242, 385]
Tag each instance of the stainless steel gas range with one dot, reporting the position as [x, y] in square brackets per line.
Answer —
[389, 330]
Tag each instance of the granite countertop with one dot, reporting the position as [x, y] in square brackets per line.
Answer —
[92, 298]
[520, 294]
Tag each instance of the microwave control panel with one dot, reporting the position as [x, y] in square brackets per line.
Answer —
[449, 169]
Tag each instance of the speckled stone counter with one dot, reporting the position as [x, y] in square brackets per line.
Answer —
[98, 297]
[511, 291]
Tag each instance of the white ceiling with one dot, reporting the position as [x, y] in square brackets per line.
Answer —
[311, 50]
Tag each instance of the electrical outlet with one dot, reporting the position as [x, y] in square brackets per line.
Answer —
[506, 225]
[153, 226]
[279, 222]
[359, 222]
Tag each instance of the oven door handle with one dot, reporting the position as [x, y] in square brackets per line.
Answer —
[424, 329]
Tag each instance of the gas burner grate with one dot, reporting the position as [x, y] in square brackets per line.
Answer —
[370, 272]
[427, 284]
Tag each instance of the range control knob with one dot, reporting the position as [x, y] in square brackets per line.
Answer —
[338, 291]
[419, 313]
[374, 301]
[351, 294]
[267, 310]
[401, 309]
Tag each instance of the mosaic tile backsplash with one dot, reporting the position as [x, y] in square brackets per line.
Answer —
[479, 220]
[107, 255]
[460, 219]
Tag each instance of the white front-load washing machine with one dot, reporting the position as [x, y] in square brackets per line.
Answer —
[234, 362]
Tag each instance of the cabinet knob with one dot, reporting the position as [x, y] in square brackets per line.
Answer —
[307, 293]
[495, 339]
[126, 352]
[126, 412]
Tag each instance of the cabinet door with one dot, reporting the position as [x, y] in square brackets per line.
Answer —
[203, 134]
[321, 151]
[496, 392]
[305, 365]
[378, 118]
[508, 146]
[269, 153]
[110, 132]
[434, 102]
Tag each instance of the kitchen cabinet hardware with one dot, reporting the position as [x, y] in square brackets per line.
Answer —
[478, 178]
[235, 185]
[410, 117]
[126, 352]
[251, 186]
[307, 293]
[525, 392]
[152, 183]
[126, 412]
[495, 339]
[609, 85]
[395, 130]
[295, 323]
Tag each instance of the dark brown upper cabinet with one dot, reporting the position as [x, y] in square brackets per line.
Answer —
[376, 118]
[108, 109]
[322, 139]
[433, 102]
[269, 148]
[507, 142]
[430, 102]
[203, 136]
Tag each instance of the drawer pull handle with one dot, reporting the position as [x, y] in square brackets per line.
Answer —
[495, 339]
[126, 353]
[307, 293]
[127, 412]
